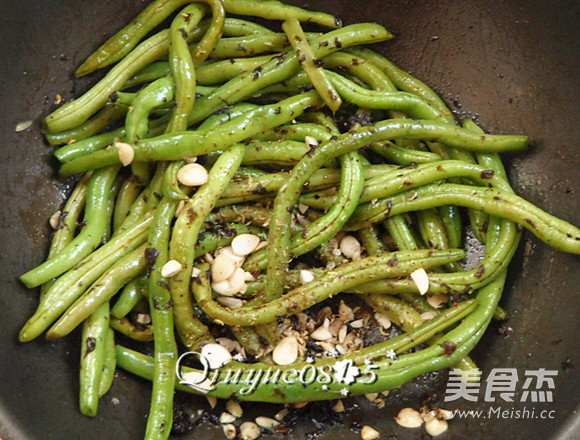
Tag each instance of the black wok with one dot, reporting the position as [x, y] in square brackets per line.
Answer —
[512, 65]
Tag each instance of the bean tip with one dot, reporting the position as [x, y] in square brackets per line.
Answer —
[23, 336]
[83, 70]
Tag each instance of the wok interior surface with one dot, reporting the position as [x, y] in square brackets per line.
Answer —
[511, 65]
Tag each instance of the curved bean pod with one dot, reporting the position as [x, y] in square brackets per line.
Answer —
[161, 307]
[100, 292]
[348, 275]
[399, 180]
[253, 44]
[275, 10]
[131, 294]
[90, 237]
[68, 223]
[408, 103]
[184, 238]
[70, 286]
[226, 114]
[404, 156]
[120, 44]
[109, 114]
[110, 363]
[89, 145]
[93, 350]
[182, 67]
[553, 231]
[403, 80]
[126, 197]
[217, 72]
[236, 27]
[127, 328]
[311, 64]
[201, 50]
[195, 143]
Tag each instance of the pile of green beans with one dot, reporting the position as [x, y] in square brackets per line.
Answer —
[260, 108]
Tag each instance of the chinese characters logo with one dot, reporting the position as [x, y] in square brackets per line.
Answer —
[501, 383]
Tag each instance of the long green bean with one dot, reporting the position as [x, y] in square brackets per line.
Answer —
[95, 218]
[126, 270]
[184, 238]
[310, 63]
[131, 294]
[348, 200]
[68, 222]
[109, 114]
[350, 275]
[109, 365]
[127, 328]
[93, 352]
[275, 10]
[161, 307]
[120, 44]
[195, 143]
[72, 284]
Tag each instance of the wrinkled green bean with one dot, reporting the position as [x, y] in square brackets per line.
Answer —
[311, 64]
[195, 143]
[275, 10]
[72, 284]
[93, 351]
[89, 238]
[124, 271]
[184, 237]
[345, 277]
[120, 44]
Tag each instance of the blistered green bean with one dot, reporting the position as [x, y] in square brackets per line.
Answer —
[125, 270]
[70, 286]
[108, 115]
[184, 238]
[345, 277]
[201, 50]
[68, 223]
[120, 44]
[217, 72]
[310, 64]
[404, 156]
[89, 238]
[126, 197]
[196, 143]
[110, 362]
[161, 307]
[252, 44]
[127, 328]
[131, 294]
[93, 352]
[275, 10]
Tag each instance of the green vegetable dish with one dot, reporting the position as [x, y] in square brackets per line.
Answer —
[234, 178]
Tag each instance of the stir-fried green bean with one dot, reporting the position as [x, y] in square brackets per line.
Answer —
[95, 219]
[270, 172]
[93, 353]
[311, 64]
[184, 238]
